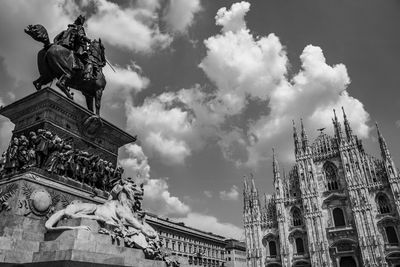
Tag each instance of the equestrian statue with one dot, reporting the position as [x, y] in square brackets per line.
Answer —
[74, 59]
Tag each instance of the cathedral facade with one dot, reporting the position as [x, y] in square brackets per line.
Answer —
[337, 207]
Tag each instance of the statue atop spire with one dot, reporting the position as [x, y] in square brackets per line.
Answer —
[296, 139]
[347, 128]
[275, 164]
[382, 143]
[304, 137]
[337, 127]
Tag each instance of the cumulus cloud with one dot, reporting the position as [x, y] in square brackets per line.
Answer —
[179, 14]
[208, 193]
[173, 124]
[232, 194]
[18, 49]
[242, 66]
[233, 19]
[158, 199]
[313, 93]
[6, 128]
[122, 83]
[133, 27]
[245, 68]
[136, 164]
[210, 223]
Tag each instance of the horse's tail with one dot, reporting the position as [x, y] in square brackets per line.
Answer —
[39, 33]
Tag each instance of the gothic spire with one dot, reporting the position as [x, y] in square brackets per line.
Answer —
[253, 186]
[304, 137]
[338, 127]
[245, 185]
[347, 128]
[275, 165]
[382, 143]
[296, 140]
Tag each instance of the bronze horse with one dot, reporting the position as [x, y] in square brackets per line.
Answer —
[56, 61]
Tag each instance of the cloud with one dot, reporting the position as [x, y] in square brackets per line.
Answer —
[243, 66]
[210, 223]
[179, 14]
[158, 199]
[233, 19]
[18, 49]
[6, 128]
[208, 193]
[134, 27]
[313, 93]
[173, 124]
[136, 164]
[122, 83]
[245, 69]
[232, 194]
[240, 65]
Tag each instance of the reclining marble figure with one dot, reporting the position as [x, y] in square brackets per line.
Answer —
[118, 210]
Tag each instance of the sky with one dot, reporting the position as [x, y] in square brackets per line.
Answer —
[211, 86]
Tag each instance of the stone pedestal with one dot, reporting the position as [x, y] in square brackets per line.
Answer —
[26, 201]
[89, 246]
[28, 196]
[49, 110]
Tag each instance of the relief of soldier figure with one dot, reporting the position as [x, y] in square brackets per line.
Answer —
[47, 151]
[73, 59]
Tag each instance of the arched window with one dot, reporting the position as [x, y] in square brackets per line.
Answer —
[383, 204]
[272, 248]
[296, 216]
[299, 246]
[391, 235]
[331, 177]
[338, 217]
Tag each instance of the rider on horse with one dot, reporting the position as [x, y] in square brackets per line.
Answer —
[74, 38]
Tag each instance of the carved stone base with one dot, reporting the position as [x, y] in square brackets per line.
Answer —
[27, 200]
[90, 247]
[19, 238]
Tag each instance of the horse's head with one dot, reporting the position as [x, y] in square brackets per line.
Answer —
[38, 32]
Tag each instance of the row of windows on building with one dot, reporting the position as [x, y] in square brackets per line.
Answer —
[236, 259]
[382, 202]
[238, 252]
[331, 175]
[184, 247]
[390, 231]
[205, 262]
[273, 251]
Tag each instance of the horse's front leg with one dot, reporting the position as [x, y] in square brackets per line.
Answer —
[89, 102]
[61, 83]
[97, 101]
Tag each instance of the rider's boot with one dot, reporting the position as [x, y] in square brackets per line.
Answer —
[61, 84]
[75, 64]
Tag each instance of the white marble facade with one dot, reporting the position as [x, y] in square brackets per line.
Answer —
[337, 206]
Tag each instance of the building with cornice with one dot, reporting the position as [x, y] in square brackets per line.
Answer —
[338, 206]
[197, 247]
